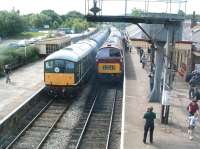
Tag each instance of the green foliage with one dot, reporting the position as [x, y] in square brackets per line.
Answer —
[71, 15]
[16, 57]
[77, 24]
[52, 18]
[136, 12]
[24, 35]
[11, 23]
[55, 25]
[181, 13]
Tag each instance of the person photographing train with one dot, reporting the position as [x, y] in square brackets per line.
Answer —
[7, 73]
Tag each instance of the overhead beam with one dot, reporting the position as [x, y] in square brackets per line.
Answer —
[134, 20]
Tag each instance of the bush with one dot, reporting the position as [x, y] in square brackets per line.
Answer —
[16, 57]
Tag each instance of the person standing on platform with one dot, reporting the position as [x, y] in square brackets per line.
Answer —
[149, 116]
[192, 124]
[7, 73]
[143, 59]
[141, 54]
[151, 80]
[130, 48]
[193, 107]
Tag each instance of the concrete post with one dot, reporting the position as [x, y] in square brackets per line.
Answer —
[165, 92]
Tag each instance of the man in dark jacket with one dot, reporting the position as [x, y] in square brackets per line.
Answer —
[149, 116]
[7, 73]
[141, 54]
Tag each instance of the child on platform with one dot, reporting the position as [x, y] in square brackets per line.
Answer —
[193, 119]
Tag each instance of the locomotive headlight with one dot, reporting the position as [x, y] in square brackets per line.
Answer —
[56, 69]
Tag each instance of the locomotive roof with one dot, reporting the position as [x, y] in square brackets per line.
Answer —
[114, 42]
[115, 32]
[106, 52]
[79, 50]
[74, 52]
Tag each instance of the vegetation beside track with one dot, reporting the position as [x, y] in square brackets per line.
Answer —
[26, 35]
[17, 57]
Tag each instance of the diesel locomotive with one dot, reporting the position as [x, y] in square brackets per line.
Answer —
[109, 58]
[66, 69]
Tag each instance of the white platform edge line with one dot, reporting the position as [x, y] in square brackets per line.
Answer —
[16, 109]
[123, 108]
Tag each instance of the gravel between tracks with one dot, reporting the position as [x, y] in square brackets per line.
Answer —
[60, 136]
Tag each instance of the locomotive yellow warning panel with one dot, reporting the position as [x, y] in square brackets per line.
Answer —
[62, 79]
[109, 68]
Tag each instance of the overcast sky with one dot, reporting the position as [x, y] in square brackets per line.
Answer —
[110, 7]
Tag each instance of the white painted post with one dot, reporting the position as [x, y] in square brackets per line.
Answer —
[165, 93]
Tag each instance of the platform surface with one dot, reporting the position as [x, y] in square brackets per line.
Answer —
[171, 136]
[25, 81]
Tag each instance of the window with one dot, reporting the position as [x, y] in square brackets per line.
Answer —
[108, 52]
[103, 53]
[49, 66]
[69, 66]
[114, 53]
[59, 66]
[50, 48]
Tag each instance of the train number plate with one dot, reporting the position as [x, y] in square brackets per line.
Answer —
[109, 67]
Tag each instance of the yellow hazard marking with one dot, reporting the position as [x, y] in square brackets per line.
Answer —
[59, 79]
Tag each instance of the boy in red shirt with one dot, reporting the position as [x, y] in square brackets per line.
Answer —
[193, 107]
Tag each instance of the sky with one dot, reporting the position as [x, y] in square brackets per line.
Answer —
[110, 7]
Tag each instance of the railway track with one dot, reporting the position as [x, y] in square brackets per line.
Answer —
[95, 126]
[37, 131]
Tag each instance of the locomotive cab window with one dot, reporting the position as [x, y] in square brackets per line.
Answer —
[114, 53]
[69, 66]
[59, 66]
[49, 66]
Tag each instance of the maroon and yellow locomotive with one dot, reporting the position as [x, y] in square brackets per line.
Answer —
[109, 58]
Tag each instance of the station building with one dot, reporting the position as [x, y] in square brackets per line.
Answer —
[140, 43]
[182, 57]
[196, 47]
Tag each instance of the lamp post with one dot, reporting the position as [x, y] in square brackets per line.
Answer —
[25, 48]
[25, 51]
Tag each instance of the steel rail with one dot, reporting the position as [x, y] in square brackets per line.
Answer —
[19, 135]
[111, 118]
[53, 125]
[86, 123]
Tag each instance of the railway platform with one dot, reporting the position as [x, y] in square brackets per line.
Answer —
[25, 81]
[171, 136]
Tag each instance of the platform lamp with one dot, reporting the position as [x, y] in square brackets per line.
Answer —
[95, 9]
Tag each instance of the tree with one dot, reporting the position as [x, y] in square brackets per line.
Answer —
[72, 14]
[79, 25]
[53, 16]
[55, 24]
[136, 12]
[11, 23]
[181, 13]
